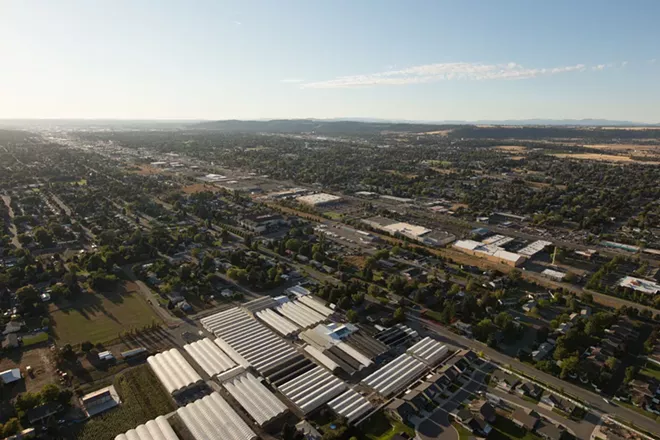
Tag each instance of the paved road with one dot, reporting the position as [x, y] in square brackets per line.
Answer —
[12, 227]
[595, 401]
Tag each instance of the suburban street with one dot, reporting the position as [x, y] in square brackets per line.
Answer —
[589, 398]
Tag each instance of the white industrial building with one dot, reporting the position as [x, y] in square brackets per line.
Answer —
[250, 339]
[312, 303]
[312, 389]
[262, 405]
[158, 429]
[429, 351]
[351, 405]
[321, 358]
[640, 285]
[489, 252]
[412, 231]
[278, 322]
[299, 313]
[211, 418]
[319, 199]
[553, 274]
[173, 371]
[534, 248]
[210, 357]
[396, 375]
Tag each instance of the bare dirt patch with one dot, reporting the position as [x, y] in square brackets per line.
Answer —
[37, 358]
[438, 132]
[457, 206]
[511, 148]
[358, 261]
[199, 187]
[605, 158]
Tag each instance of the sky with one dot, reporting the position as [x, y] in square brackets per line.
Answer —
[402, 60]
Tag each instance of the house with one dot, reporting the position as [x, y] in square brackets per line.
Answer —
[543, 351]
[525, 418]
[400, 410]
[475, 423]
[486, 410]
[13, 327]
[529, 306]
[184, 306]
[260, 223]
[415, 398]
[613, 345]
[554, 401]
[550, 432]
[505, 381]
[10, 376]
[440, 381]
[529, 389]
[100, 400]
[564, 327]
[585, 312]
[427, 389]
[465, 328]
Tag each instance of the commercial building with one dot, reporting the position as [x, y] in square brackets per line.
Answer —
[210, 357]
[100, 400]
[554, 275]
[319, 199]
[261, 222]
[640, 285]
[489, 252]
[429, 351]
[158, 428]
[255, 398]
[10, 376]
[395, 375]
[278, 322]
[351, 405]
[211, 417]
[299, 313]
[312, 389]
[534, 248]
[173, 371]
[240, 333]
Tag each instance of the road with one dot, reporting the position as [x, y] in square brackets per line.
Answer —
[12, 226]
[593, 400]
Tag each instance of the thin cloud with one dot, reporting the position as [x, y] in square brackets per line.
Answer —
[624, 63]
[292, 80]
[599, 67]
[429, 73]
[652, 61]
[238, 23]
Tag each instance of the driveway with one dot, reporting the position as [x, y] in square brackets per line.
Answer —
[437, 426]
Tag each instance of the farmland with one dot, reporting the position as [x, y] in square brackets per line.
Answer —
[142, 398]
[101, 317]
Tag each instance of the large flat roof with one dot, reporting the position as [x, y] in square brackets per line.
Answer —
[640, 285]
[407, 229]
[317, 199]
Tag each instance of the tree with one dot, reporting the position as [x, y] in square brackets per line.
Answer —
[352, 315]
[503, 319]
[50, 393]
[43, 236]
[611, 363]
[631, 372]
[399, 314]
[483, 329]
[289, 432]
[292, 245]
[569, 366]
[587, 298]
[11, 427]
[27, 295]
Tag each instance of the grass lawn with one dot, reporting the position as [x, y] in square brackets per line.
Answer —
[463, 434]
[35, 339]
[99, 317]
[504, 428]
[333, 215]
[143, 398]
[652, 370]
[381, 427]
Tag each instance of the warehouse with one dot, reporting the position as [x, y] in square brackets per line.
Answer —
[173, 371]
[319, 199]
[429, 351]
[312, 389]
[351, 405]
[210, 357]
[489, 252]
[278, 322]
[300, 314]
[534, 248]
[286, 371]
[158, 429]
[321, 358]
[312, 303]
[397, 335]
[406, 229]
[396, 375]
[249, 338]
[255, 398]
[212, 418]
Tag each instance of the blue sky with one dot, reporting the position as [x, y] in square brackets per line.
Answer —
[417, 60]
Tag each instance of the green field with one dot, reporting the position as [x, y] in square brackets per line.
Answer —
[142, 399]
[35, 339]
[98, 317]
[333, 215]
[381, 427]
[652, 370]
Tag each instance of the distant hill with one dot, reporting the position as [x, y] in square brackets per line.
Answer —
[317, 126]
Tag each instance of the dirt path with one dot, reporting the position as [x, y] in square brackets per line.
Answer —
[12, 227]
